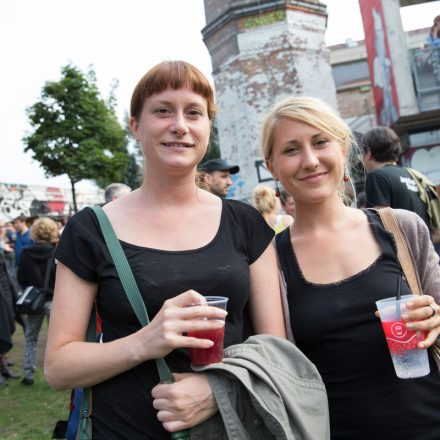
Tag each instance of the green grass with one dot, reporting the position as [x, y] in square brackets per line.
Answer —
[30, 413]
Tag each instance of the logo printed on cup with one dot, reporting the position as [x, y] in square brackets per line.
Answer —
[398, 330]
[399, 338]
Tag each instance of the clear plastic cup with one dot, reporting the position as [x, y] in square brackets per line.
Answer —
[408, 360]
[214, 354]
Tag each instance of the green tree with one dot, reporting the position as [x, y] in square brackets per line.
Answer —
[76, 132]
[213, 151]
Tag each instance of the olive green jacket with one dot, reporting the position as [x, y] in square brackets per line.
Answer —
[265, 389]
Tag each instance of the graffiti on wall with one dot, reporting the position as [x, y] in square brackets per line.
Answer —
[35, 200]
[379, 62]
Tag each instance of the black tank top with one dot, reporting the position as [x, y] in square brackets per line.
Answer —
[335, 326]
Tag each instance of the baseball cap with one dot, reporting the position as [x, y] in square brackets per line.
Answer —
[219, 165]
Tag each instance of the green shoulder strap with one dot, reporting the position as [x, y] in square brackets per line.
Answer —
[132, 291]
[128, 282]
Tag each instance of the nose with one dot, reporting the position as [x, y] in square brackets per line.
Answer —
[310, 159]
[179, 126]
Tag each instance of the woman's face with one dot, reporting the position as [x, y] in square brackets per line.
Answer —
[307, 161]
[173, 129]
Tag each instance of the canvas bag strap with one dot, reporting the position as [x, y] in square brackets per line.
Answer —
[128, 282]
[391, 225]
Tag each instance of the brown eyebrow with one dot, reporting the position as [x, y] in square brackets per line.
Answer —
[294, 141]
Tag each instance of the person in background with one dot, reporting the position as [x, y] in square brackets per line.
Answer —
[7, 314]
[31, 272]
[433, 39]
[387, 183]
[337, 261]
[114, 191]
[266, 203]
[177, 239]
[361, 200]
[23, 237]
[287, 203]
[217, 176]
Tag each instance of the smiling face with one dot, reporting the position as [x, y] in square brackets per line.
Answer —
[308, 162]
[173, 129]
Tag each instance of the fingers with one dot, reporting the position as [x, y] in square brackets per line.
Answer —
[430, 338]
[185, 299]
[422, 313]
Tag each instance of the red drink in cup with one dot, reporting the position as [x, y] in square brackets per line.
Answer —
[214, 354]
[409, 361]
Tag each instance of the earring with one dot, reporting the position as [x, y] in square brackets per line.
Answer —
[277, 190]
[345, 178]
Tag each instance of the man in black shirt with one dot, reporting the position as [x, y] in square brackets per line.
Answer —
[389, 184]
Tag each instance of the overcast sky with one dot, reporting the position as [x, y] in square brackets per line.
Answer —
[122, 39]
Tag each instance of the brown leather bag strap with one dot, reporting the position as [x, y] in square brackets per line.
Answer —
[392, 225]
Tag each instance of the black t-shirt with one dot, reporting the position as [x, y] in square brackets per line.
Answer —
[122, 405]
[335, 326]
[393, 186]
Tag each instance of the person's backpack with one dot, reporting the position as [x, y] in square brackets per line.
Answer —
[428, 195]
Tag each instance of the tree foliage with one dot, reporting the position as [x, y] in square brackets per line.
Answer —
[213, 151]
[76, 132]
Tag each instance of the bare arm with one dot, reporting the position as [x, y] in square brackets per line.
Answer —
[265, 297]
[70, 362]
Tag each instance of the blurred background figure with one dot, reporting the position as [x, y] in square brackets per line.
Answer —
[22, 237]
[287, 203]
[267, 205]
[433, 39]
[115, 190]
[7, 314]
[362, 200]
[34, 262]
[217, 176]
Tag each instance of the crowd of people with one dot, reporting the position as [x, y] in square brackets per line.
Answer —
[304, 263]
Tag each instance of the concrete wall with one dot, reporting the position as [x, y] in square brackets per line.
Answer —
[261, 65]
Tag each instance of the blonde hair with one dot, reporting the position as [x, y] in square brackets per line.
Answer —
[311, 111]
[314, 112]
[264, 199]
[44, 230]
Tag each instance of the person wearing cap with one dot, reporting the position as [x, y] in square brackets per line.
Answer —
[217, 176]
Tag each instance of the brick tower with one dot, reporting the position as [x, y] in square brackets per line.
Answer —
[262, 51]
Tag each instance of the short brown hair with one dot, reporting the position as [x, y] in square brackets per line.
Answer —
[175, 75]
[44, 230]
[383, 143]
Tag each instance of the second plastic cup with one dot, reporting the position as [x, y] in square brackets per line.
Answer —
[408, 360]
[211, 355]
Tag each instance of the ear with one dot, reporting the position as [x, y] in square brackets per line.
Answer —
[367, 155]
[271, 169]
[134, 126]
[207, 178]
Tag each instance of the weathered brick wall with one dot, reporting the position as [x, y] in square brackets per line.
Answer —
[354, 102]
[269, 62]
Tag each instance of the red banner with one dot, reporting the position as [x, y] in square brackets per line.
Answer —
[379, 62]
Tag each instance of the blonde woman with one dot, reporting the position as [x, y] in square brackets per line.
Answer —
[31, 272]
[337, 261]
[267, 204]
